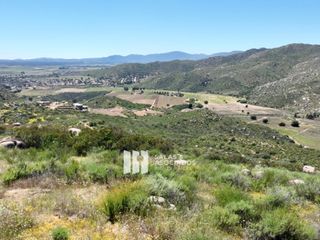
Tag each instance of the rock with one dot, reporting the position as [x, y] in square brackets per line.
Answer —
[8, 144]
[245, 171]
[180, 162]
[296, 182]
[157, 200]
[12, 143]
[74, 131]
[308, 169]
[17, 124]
[172, 207]
[20, 144]
[158, 206]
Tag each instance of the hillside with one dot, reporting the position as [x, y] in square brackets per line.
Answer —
[285, 77]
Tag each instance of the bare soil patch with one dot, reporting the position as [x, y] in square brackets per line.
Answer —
[116, 111]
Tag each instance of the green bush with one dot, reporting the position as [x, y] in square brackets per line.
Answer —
[279, 197]
[228, 194]
[281, 224]
[224, 219]
[245, 210]
[270, 178]
[127, 198]
[310, 190]
[60, 233]
[238, 180]
[170, 189]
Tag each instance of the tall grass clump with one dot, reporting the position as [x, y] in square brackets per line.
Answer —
[130, 197]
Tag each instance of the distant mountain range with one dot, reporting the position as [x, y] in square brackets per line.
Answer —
[112, 60]
[284, 77]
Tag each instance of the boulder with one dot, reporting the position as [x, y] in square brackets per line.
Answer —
[308, 169]
[8, 144]
[20, 144]
[172, 207]
[74, 131]
[12, 143]
[296, 182]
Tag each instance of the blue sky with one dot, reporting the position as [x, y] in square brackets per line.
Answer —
[96, 28]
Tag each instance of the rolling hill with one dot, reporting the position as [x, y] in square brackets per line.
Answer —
[284, 77]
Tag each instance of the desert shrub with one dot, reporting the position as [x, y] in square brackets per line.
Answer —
[237, 180]
[13, 221]
[169, 189]
[295, 123]
[281, 224]
[270, 178]
[71, 170]
[253, 117]
[199, 105]
[181, 106]
[223, 219]
[265, 120]
[60, 233]
[279, 197]
[126, 198]
[310, 190]
[102, 173]
[44, 137]
[227, 194]
[282, 124]
[188, 185]
[206, 102]
[23, 170]
[245, 210]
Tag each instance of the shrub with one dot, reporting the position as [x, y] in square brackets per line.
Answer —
[253, 117]
[245, 211]
[265, 120]
[282, 124]
[238, 180]
[199, 105]
[72, 170]
[224, 219]
[60, 233]
[13, 221]
[129, 197]
[270, 178]
[279, 197]
[206, 102]
[295, 123]
[43, 137]
[281, 224]
[170, 189]
[227, 194]
[310, 190]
